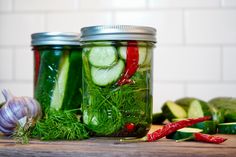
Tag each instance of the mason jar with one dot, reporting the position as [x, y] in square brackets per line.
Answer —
[57, 70]
[117, 79]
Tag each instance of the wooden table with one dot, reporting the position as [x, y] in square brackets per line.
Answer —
[109, 147]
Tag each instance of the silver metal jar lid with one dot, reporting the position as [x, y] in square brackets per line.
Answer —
[55, 38]
[118, 32]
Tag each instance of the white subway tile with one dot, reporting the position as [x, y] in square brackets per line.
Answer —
[16, 28]
[166, 91]
[187, 63]
[168, 23]
[111, 4]
[17, 89]
[211, 26]
[48, 5]
[5, 5]
[128, 4]
[183, 3]
[6, 62]
[24, 64]
[229, 63]
[229, 3]
[89, 4]
[73, 22]
[208, 91]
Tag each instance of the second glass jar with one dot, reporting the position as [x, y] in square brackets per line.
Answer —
[117, 84]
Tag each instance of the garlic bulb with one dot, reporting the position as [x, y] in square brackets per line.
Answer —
[23, 111]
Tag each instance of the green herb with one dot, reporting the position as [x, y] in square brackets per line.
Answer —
[107, 109]
[58, 125]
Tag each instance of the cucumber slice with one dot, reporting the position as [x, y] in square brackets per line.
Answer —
[102, 56]
[208, 127]
[185, 102]
[184, 133]
[141, 50]
[148, 58]
[227, 128]
[104, 77]
[198, 108]
[171, 110]
[122, 52]
[158, 118]
[60, 85]
[142, 55]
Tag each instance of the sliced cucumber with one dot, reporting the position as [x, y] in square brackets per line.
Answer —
[102, 56]
[185, 102]
[208, 127]
[171, 110]
[104, 77]
[198, 108]
[158, 118]
[122, 52]
[60, 85]
[227, 128]
[148, 58]
[141, 50]
[184, 133]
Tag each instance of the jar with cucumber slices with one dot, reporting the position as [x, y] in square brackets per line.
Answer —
[57, 70]
[117, 79]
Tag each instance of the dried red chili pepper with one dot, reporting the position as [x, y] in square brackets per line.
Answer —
[131, 66]
[169, 128]
[36, 65]
[130, 127]
[208, 138]
[172, 127]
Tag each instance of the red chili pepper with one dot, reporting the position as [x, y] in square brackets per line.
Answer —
[36, 65]
[169, 128]
[130, 127]
[208, 138]
[172, 127]
[131, 66]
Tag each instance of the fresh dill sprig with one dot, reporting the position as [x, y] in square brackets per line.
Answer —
[60, 125]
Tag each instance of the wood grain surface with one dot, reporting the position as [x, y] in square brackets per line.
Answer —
[109, 147]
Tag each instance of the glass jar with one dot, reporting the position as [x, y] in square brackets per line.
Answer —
[57, 70]
[117, 79]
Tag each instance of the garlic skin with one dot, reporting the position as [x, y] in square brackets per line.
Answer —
[16, 108]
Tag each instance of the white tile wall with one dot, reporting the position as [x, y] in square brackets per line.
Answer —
[169, 23]
[15, 28]
[42, 5]
[89, 4]
[196, 48]
[183, 3]
[23, 57]
[211, 26]
[5, 5]
[210, 90]
[229, 3]
[187, 63]
[229, 67]
[6, 64]
[73, 22]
